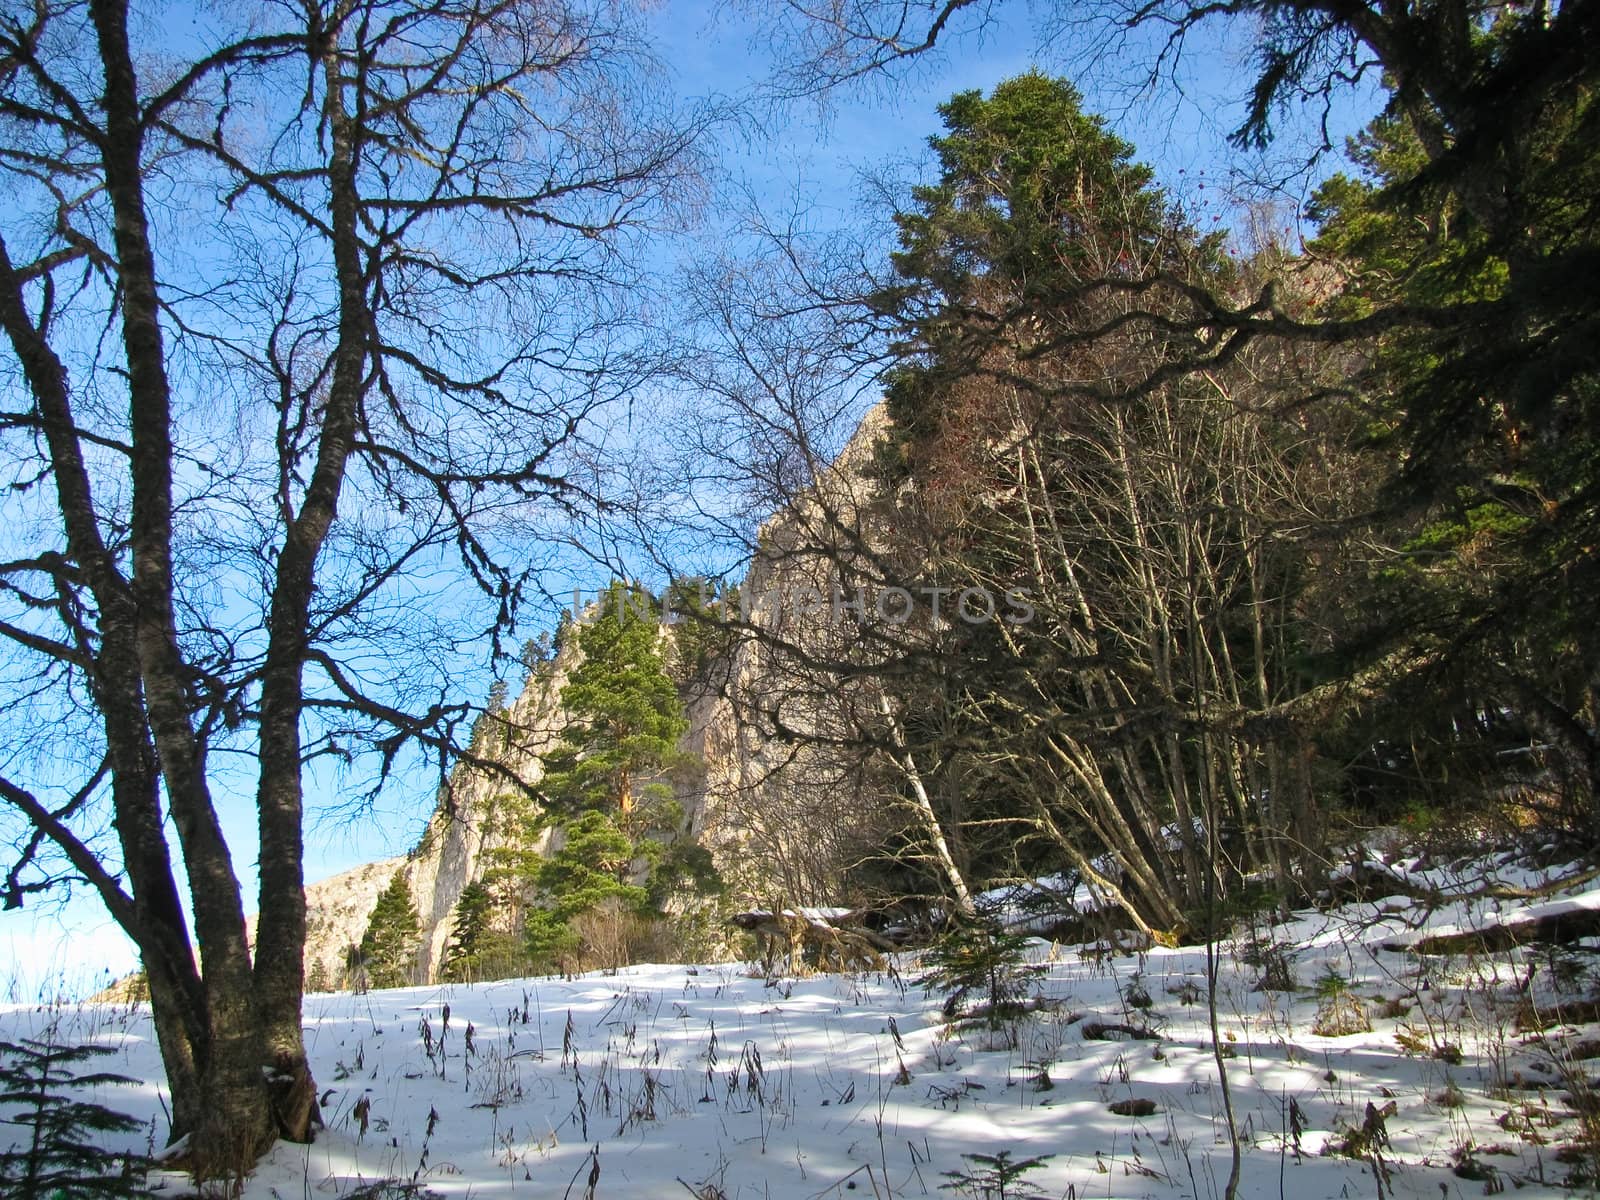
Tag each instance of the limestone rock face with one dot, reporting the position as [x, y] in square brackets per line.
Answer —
[473, 818]
[337, 909]
[772, 815]
[782, 813]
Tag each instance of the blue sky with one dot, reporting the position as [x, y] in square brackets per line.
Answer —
[808, 157]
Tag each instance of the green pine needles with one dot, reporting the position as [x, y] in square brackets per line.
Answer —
[626, 717]
[616, 856]
[470, 933]
[53, 1126]
[997, 1177]
[585, 871]
[589, 876]
[985, 970]
[388, 951]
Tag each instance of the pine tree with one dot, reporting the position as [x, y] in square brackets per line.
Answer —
[317, 978]
[58, 1158]
[589, 872]
[389, 946]
[1034, 196]
[606, 786]
[1488, 505]
[489, 730]
[626, 717]
[468, 933]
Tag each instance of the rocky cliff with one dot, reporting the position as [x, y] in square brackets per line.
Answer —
[468, 824]
[337, 910]
[772, 813]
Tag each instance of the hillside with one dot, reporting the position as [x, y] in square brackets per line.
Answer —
[755, 806]
[1383, 1073]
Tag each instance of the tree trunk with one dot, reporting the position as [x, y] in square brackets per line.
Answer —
[927, 819]
[169, 1008]
[235, 1125]
[281, 927]
[155, 918]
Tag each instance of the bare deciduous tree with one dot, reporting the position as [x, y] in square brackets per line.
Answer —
[308, 307]
[1494, 196]
[1062, 424]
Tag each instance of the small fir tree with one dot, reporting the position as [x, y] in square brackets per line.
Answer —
[538, 653]
[984, 969]
[57, 1157]
[317, 978]
[469, 934]
[489, 729]
[997, 1177]
[389, 946]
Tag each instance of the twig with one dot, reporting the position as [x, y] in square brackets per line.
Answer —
[837, 1185]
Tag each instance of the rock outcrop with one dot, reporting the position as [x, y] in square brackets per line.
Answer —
[337, 909]
[771, 813]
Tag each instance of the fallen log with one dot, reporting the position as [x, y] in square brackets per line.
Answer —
[1558, 921]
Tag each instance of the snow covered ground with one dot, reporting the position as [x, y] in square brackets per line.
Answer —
[672, 1081]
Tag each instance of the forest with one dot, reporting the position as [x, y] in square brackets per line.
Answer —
[1041, 530]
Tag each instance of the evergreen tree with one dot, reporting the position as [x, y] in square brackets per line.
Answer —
[590, 871]
[984, 969]
[1488, 431]
[606, 789]
[317, 978]
[469, 933]
[625, 714]
[488, 730]
[389, 947]
[1036, 204]
[538, 653]
[1042, 285]
[701, 633]
[58, 1158]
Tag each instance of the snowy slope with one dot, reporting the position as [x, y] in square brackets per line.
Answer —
[706, 1081]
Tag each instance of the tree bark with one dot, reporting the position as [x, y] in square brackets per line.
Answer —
[927, 819]
[281, 928]
[230, 1022]
[234, 1123]
[155, 922]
